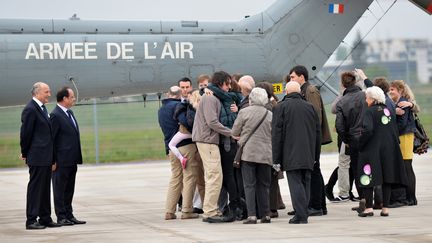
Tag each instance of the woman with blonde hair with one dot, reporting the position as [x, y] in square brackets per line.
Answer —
[185, 113]
[404, 99]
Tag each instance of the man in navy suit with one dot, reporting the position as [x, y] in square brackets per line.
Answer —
[67, 155]
[37, 151]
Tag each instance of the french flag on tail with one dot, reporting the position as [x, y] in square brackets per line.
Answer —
[336, 8]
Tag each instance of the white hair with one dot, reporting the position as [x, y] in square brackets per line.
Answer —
[376, 94]
[247, 83]
[258, 96]
[292, 87]
[174, 92]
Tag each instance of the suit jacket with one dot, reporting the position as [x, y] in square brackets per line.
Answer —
[67, 144]
[313, 96]
[296, 134]
[36, 139]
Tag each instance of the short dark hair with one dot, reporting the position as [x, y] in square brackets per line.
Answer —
[300, 70]
[382, 83]
[220, 77]
[185, 79]
[63, 92]
[348, 79]
[268, 87]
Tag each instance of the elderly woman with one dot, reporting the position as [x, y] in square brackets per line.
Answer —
[380, 161]
[253, 125]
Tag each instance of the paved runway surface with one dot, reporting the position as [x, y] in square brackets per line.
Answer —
[125, 203]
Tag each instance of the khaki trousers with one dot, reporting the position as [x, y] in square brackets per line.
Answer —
[211, 159]
[343, 172]
[182, 182]
[200, 176]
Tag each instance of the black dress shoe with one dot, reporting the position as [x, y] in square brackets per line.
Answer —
[291, 212]
[295, 220]
[363, 214]
[51, 224]
[396, 205]
[315, 212]
[384, 214]
[35, 225]
[65, 222]
[213, 219]
[198, 210]
[76, 221]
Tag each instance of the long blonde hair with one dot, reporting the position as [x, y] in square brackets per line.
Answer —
[406, 92]
[195, 99]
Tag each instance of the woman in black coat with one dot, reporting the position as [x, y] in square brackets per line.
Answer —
[380, 161]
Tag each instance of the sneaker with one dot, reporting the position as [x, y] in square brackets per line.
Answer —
[339, 199]
[183, 162]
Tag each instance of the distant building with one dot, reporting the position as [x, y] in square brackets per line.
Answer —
[406, 59]
[399, 51]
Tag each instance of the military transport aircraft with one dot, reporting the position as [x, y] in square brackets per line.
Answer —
[115, 58]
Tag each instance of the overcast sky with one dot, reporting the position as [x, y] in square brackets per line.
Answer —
[404, 20]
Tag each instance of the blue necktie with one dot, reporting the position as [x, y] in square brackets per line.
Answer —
[45, 111]
[70, 114]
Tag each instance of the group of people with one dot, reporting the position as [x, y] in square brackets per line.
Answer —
[229, 140]
[50, 146]
[376, 133]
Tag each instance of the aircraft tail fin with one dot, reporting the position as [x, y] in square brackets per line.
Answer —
[307, 32]
[425, 5]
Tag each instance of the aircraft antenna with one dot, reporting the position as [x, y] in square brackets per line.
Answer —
[358, 43]
[76, 89]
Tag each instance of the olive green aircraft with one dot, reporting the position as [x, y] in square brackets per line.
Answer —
[117, 58]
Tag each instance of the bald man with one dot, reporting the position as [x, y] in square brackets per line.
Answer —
[37, 151]
[246, 83]
[296, 141]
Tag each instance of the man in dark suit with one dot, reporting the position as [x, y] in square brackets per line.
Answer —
[37, 151]
[296, 144]
[67, 154]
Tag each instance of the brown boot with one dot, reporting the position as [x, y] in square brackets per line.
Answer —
[169, 216]
[189, 216]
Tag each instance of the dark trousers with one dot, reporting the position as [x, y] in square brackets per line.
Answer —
[64, 187]
[317, 194]
[299, 185]
[368, 195]
[256, 181]
[39, 195]
[354, 155]
[275, 196]
[229, 183]
[334, 178]
[411, 187]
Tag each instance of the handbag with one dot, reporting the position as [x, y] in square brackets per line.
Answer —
[239, 152]
[421, 140]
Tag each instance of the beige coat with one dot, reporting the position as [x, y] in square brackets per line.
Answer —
[258, 148]
[207, 127]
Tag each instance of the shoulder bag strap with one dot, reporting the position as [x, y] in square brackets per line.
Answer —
[255, 128]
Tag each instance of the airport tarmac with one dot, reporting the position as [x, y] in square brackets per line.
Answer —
[125, 203]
